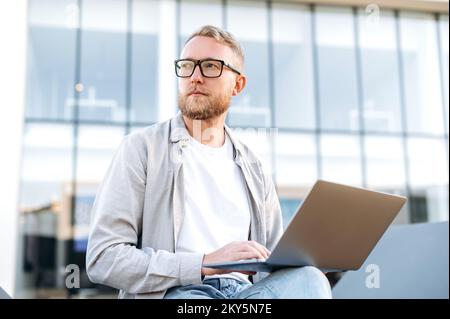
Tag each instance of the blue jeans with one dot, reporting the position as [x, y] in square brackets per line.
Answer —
[288, 283]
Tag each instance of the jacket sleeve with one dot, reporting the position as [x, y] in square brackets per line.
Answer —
[112, 257]
[272, 211]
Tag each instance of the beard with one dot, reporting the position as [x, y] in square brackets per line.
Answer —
[203, 107]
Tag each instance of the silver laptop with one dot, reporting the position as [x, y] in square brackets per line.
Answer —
[334, 229]
[3, 294]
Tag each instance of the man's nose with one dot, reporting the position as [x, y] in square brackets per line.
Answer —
[197, 76]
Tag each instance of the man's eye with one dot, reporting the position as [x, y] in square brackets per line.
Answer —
[210, 65]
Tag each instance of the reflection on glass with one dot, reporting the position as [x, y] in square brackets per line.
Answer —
[296, 161]
[197, 13]
[144, 61]
[341, 159]
[443, 28]
[251, 107]
[385, 168]
[289, 208]
[259, 142]
[51, 58]
[137, 128]
[47, 161]
[428, 175]
[103, 60]
[337, 68]
[380, 72]
[96, 146]
[421, 73]
[385, 162]
[293, 66]
[45, 193]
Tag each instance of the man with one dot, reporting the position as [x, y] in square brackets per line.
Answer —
[187, 192]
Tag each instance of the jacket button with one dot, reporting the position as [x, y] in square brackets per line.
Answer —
[184, 142]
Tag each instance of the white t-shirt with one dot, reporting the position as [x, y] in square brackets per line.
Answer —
[217, 208]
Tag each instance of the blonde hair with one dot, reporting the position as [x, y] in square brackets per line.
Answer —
[223, 37]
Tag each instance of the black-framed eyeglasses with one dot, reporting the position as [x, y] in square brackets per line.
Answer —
[210, 68]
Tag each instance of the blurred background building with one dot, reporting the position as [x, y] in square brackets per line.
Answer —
[357, 92]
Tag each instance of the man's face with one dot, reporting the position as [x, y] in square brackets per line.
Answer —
[202, 98]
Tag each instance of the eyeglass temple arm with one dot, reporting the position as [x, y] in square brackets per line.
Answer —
[231, 68]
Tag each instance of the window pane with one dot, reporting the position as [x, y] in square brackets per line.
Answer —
[380, 73]
[421, 73]
[103, 60]
[443, 26]
[337, 70]
[385, 162]
[341, 159]
[144, 61]
[96, 146]
[251, 107]
[296, 162]
[45, 193]
[293, 66]
[258, 140]
[137, 128]
[197, 13]
[51, 58]
[428, 174]
[385, 168]
[289, 208]
[296, 170]
[47, 163]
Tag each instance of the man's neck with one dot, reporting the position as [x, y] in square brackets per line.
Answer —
[209, 132]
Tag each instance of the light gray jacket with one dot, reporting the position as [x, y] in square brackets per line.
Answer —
[138, 212]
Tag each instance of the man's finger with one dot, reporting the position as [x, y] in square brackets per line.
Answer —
[263, 250]
[248, 272]
[245, 255]
[259, 246]
[258, 253]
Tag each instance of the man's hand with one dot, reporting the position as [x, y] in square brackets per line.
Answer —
[234, 251]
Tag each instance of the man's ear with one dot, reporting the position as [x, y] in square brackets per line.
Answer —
[241, 81]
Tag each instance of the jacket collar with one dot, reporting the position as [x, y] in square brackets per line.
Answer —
[179, 132]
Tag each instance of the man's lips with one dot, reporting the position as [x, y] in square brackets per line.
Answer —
[197, 93]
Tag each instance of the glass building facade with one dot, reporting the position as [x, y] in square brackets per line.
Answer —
[333, 93]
